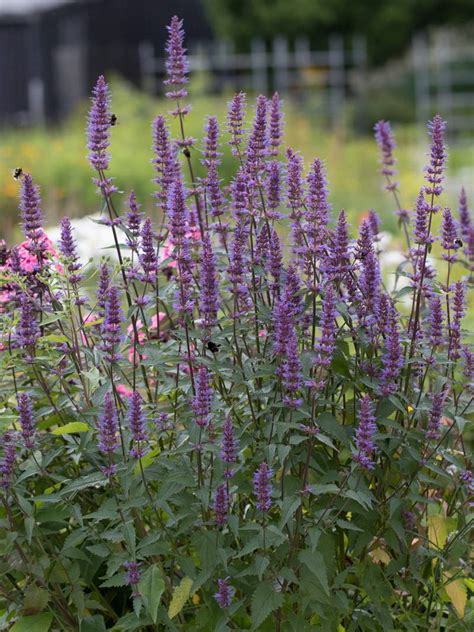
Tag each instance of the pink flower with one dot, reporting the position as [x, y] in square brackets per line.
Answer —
[123, 390]
[141, 335]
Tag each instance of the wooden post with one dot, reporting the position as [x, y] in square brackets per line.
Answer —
[258, 62]
[421, 76]
[336, 78]
[280, 64]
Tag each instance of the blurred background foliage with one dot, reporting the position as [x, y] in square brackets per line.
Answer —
[388, 25]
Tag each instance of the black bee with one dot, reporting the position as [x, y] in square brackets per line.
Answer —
[213, 347]
[113, 119]
[458, 243]
[186, 152]
[17, 173]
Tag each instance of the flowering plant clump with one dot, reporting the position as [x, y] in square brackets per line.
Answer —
[241, 423]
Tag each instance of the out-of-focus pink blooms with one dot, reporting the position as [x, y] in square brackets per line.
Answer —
[123, 390]
[141, 335]
[29, 260]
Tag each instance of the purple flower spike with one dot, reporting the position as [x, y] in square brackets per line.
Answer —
[225, 593]
[177, 66]
[108, 427]
[273, 185]
[386, 142]
[111, 327]
[257, 146]
[433, 430]
[201, 403]
[30, 207]
[133, 221]
[438, 155]
[133, 575]
[317, 206]
[449, 237]
[291, 368]
[27, 331]
[177, 213]
[420, 231]
[137, 426]
[364, 437]
[337, 261]
[235, 122]
[229, 446]
[221, 504]
[164, 161]
[464, 214]
[98, 131]
[276, 117]
[102, 289]
[435, 320]
[295, 180]
[282, 315]
[148, 258]
[9, 444]
[458, 313]
[214, 192]
[327, 340]
[211, 154]
[392, 357]
[67, 246]
[27, 420]
[262, 487]
[209, 303]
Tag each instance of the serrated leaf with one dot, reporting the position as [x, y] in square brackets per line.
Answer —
[115, 582]
[35, 600]
[457, 593]
[34, 623]
[151, 587]
[180, 596]
[316, 565]
[265, 600]
[70, 428]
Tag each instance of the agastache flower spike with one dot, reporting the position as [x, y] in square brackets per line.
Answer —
[374, 221]
[275, 262]
[392, 358]
[337, 261]
[177, 66]
[111, 328]
[164, 161]
[433, 429]
[257, 144]
[291, 370]
[211, 155]
[438, 155]
[262, 487]
[386, 142]
[235, 122]
[133, 575]
[30, 207]
[108, 431]
[435, 320]
[282, 314]
[294, 181]
[201, 403]
[464, 215]
[229, 446]
[137, 426]
[364, 437]
[148, 258]
[327, 340]
[177, 213]
[225, 593]
[102, 289]
[276, 117]
[67, 246]
[449, 238]
[221, 504]
[26, 418]
[420, 232]
[9, 444]
[209, 301]
[273, 190]
[98, 131]
[133, 221]
[27, 331]
[318, 208]
[458, 313]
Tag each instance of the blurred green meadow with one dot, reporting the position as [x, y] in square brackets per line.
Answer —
[57, 158]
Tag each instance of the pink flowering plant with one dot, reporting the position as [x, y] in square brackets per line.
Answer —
[239, 423]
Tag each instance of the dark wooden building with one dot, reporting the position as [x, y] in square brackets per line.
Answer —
[51, 51]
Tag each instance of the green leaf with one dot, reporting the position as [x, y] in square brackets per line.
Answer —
[264, 601]
[35, 623]
[360, 497]
[36, 599]
[151, 587]
[180, 596]
[290, 505]
[70, 428]
[317, 566]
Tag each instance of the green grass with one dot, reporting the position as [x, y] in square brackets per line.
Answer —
[57, 159]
